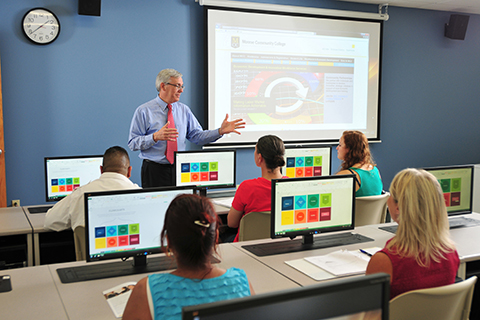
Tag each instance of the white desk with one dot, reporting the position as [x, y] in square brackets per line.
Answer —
[33, 295]
[277, 262]
[14, 222]
[84, 300]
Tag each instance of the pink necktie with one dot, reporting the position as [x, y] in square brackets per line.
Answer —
[171, 145]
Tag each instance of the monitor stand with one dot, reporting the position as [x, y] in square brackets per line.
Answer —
[307, 243]
[139, 265]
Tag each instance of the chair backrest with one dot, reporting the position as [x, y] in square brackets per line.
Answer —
[80, 245]
[450, 302]
[254, 225]
[371, 209]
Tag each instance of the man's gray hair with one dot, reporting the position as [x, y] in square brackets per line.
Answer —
[164, 77]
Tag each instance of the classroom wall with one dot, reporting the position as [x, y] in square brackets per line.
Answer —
[77, 95]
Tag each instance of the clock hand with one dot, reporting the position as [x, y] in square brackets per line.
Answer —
[41, 26]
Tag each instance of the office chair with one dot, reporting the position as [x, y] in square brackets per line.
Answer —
[80, 246]
[371, 209]
[254, 225]
[451, 302]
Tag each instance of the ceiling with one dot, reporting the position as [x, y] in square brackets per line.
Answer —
[454, 6]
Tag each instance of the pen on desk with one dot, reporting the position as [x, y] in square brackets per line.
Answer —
[367, 253]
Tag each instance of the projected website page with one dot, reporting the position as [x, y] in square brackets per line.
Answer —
[65, 175]
[128, 221]
[292, 76]
[205, 168]
[314, 204]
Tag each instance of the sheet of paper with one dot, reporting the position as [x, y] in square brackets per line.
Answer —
[310, 269]
[117, 297]
[225, 202]
[342, 262]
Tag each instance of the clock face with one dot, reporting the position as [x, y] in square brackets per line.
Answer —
[41, 26]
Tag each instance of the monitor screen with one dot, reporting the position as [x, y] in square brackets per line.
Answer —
[307, 162]
[65, 174]
[126, 223]
[205, 169]
[457, 186]
[365, 297]
[309, 206]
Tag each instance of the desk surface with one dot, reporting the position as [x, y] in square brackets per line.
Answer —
[33, 295]
[13, 221]
[75, 296]
[36, 219]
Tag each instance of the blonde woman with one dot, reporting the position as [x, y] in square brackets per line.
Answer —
[421, 254]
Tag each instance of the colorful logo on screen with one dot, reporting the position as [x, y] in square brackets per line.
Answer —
[117, 236]
[65, 184]
[304, 166]
[199, 171]
[306, 208]
[451, 191]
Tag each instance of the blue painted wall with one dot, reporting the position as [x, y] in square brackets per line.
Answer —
[77, 95]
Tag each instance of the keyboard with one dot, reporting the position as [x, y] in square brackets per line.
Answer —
[268, 249]
[41, 209]
[454, 223]
[115, 269]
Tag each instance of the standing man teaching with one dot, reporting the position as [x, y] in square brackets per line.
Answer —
[162, 125]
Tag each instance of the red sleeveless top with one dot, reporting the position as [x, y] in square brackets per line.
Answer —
[407, 275]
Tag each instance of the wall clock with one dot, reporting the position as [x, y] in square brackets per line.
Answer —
[41, 26]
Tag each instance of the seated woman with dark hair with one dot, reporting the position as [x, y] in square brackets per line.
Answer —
[191, 232]
[254, 195]
[421, 254]
[356, 158]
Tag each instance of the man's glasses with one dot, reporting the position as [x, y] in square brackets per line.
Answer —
[179, 87]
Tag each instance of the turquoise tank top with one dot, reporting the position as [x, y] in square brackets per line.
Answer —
[170, 292]
[370, 182]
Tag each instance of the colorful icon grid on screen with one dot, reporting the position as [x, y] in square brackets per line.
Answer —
[451, 191]
[117, 236]
[304, 166]
[306, 208]
[65, 184]
[199, 171]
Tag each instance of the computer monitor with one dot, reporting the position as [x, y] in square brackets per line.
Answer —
[127, 223]
[308, 206]
[205, 169]
[457, 186]
[307, 162]
[65, 174]
[365, 297]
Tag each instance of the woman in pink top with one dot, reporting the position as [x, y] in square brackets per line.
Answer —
[254, 195]
[421, 254]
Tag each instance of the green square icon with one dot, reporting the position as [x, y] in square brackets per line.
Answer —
[317, 161]
[213, 166]
[308, 161]
[313, 200]
[456, 185]
[325, 200]
[445, 184]
[123, 229]
[134, 228]
[76, 180]
[69, 180]
[204, 166]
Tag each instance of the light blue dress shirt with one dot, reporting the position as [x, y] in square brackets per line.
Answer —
[152, 116]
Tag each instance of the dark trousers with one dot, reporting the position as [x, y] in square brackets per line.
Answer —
[156, 174]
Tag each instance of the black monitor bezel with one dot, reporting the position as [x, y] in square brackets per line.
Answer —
[310, 232]
[132, 253]
[337, 285]
[464, 166]
[203, 189]
[329, 147]
[46, 159]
